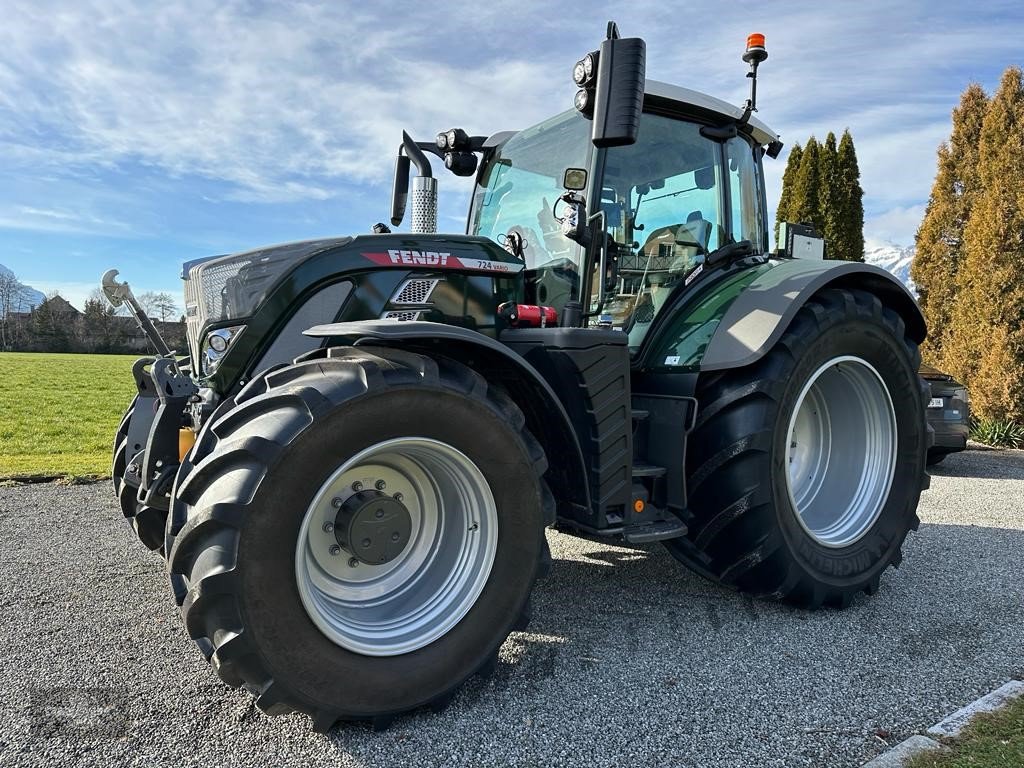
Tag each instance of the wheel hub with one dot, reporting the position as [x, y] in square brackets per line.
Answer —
[841, 451]
[374, 527]
[394, 595]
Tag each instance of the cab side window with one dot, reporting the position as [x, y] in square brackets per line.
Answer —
[744, 193]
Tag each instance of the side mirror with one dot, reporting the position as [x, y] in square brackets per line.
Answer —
[400, 189]
[619, 97]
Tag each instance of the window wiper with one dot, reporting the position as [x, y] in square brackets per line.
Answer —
[729, 252]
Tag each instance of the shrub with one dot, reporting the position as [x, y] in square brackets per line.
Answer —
[999, 433]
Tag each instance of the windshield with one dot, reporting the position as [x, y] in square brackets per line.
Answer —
[516, 192]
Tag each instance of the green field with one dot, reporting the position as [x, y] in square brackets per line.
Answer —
[58, 413]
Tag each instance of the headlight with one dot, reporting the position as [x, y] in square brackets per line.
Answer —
[217, 343]
[579, 73]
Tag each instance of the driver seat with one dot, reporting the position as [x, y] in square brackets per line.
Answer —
[697, 229]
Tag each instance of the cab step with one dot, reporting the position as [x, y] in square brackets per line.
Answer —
[642, 469]
[643, 533]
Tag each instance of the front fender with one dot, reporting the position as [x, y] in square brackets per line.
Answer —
[546, 417]
[761, 313]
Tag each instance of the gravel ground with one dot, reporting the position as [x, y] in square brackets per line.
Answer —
[632, 659]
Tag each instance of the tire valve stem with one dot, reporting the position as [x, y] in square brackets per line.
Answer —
[475, 526]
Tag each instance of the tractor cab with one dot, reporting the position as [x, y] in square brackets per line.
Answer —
[682, 192]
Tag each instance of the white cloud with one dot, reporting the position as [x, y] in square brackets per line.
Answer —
[277, 102]
[895, 226]
[289, 102]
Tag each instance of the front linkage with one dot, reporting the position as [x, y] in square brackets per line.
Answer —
[154, 433]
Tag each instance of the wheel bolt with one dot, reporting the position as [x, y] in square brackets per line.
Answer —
[398, 497]
[380, 513]
[366, 543]
[335, 549]
[336, 502]
[328, 527]
[394, 536]
[353, 562]
[380, 485]
[357, 486]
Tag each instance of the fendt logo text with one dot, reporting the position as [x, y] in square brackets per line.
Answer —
[430, 258]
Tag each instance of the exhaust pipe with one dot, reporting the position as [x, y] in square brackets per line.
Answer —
[424, 205]
[424, 189]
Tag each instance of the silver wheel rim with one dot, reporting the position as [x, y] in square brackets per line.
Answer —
[411, 601]
[841, 451]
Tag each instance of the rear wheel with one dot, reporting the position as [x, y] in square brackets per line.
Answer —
[805, 469]
[359, 534]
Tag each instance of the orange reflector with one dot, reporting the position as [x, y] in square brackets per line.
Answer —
[638, 506]
[186, 439]
[756, 40]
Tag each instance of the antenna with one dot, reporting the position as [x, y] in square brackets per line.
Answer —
[754, 55]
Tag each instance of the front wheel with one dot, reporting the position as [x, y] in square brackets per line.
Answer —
[805, 469]
[359, 533]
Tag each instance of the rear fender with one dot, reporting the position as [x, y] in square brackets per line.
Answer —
[759, 315]
[545, 416]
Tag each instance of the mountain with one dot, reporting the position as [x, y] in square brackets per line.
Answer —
[27, 297]
[892, 258]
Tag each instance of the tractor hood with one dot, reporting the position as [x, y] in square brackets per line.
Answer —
[255, 290]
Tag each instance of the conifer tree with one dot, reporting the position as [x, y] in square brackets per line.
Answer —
[782, 213]
[986, 341]
[828, 198]
[848, 240]
[940, 238]
[803, 205]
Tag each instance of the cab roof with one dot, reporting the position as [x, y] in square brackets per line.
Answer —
[702, 102]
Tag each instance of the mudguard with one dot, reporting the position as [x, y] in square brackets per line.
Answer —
[546, 417]
[760, 314]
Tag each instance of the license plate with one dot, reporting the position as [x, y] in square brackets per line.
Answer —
[935, 402]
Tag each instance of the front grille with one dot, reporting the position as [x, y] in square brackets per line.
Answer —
[415, 291]
[403, 316]
[193, 320]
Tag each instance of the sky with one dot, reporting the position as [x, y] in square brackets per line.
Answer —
[139, 135]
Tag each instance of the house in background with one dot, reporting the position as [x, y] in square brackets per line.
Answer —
[55, 325]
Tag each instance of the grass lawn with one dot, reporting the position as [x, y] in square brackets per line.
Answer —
[58, 413]
[992, 740]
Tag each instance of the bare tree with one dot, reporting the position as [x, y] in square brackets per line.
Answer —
[14, 300]
[96, 294]
[160, 306]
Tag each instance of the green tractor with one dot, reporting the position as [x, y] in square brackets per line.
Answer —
[351, 473]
